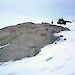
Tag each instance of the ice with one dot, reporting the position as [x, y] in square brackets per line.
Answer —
[54, 59]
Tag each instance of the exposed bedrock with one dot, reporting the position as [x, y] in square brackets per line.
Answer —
[26, 39]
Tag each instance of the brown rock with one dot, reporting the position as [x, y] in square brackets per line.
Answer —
[26, 39]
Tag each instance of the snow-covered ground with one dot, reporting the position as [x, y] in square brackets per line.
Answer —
[54, 59]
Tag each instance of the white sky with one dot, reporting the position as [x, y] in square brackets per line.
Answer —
[15, 11]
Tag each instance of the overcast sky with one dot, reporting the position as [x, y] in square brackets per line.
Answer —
[20, 10]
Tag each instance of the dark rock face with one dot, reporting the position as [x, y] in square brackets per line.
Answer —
[26, 39]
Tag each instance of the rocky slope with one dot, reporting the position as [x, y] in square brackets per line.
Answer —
[26, 39]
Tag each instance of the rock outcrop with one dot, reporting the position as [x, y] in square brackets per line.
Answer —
[26, 39]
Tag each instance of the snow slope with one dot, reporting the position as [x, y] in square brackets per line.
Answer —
[54, 59]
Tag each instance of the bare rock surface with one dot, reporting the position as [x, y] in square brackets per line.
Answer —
[26, 39]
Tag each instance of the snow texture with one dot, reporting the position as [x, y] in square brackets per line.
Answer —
[54, 59]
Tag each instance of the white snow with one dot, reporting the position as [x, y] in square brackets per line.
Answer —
[4, 45]
[54, 59]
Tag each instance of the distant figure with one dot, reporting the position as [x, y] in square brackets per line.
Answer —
[42, 22]
[51, 22]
